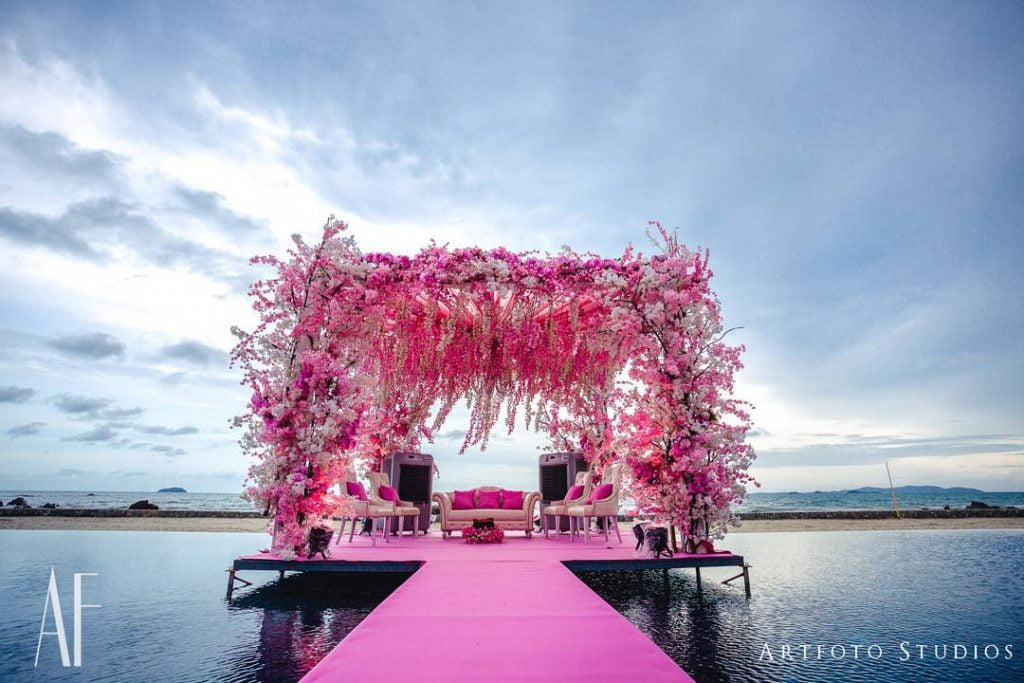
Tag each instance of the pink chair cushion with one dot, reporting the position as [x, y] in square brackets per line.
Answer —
[355, 489]
[511, 500]
[602, 491]
[488, 500]
[388, 493]
[574, 492]
[462, 500]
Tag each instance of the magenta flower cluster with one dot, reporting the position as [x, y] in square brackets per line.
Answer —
[481, 536]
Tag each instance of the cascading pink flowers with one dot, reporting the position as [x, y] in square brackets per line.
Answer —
[359, 355]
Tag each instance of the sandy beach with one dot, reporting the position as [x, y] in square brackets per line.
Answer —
[258, 525]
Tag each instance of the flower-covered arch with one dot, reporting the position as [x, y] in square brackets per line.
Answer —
[361, 355]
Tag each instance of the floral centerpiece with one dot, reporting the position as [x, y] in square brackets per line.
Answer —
[487, 534]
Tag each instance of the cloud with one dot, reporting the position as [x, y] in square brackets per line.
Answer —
[80, 405]
[73, 472]
[95, 346]
[98, 434]
[211, 208]
[195, 352]
[38, 230]
[168, 431]
[865, 179]
[76, 472]
[452, 434]
[10, 394]
[167, 450]
[118, 425]
[93, 229]
[86, 407]
[119, 212]
[26, 429]
[119, 413]
[857, 449]
[52, 156]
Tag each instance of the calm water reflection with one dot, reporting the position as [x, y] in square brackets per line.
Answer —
[301, 619]
[164, 617]
[163, 614]
[851, 588]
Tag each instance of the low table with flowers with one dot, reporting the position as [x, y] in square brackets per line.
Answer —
[483, 531]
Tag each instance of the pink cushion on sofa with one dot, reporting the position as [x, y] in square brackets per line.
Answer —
[511, 500]
[355, 489]
[388, 493]
[462, 500]
[574, 492]
[488, 499]
[602, 491]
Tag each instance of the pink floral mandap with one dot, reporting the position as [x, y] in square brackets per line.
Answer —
[357, 356]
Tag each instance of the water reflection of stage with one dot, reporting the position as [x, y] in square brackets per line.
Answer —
[302, 618]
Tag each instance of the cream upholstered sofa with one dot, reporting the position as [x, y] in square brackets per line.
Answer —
[517, 519]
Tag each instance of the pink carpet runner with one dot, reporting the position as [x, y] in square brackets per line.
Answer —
[487, 620]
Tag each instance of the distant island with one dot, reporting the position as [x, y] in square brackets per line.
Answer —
[173, 489]
[957, 490]
[908, 490]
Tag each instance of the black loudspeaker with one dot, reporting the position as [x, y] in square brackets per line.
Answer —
[412, 475]
[557, 473]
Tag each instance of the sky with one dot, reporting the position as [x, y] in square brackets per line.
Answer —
[854, 168]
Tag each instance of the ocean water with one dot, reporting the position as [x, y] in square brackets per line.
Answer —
[756, 502]
[164, 617]
[890, 591]
[122, 499]
[872, 500]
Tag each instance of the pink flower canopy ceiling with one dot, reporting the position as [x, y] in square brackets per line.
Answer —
[360, 355]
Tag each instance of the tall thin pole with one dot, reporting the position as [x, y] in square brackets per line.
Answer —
[892, 490]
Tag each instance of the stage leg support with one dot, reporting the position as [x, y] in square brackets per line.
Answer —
[232, 577]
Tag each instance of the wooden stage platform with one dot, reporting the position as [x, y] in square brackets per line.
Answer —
[507, 612]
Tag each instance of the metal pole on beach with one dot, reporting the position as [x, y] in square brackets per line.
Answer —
[892, 490]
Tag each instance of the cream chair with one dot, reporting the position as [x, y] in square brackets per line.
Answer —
[606, 508]
[401, 508]
[360, 509]
[557, 507]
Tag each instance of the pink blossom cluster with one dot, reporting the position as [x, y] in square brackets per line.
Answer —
[360, 355]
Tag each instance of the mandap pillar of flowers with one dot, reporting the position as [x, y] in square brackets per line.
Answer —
[359, 355]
